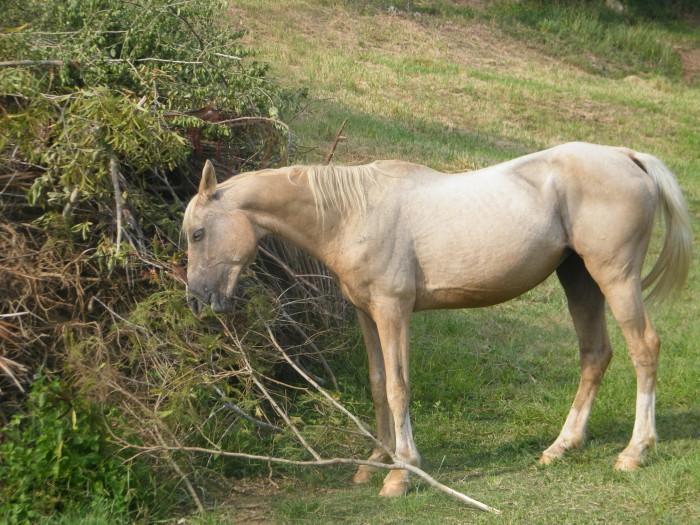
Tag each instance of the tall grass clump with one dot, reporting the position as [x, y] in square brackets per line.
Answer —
[592, 36]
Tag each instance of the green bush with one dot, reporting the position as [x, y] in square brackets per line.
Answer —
[106, 107]
[57, 454]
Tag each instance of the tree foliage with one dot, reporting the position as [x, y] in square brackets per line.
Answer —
[102, 81]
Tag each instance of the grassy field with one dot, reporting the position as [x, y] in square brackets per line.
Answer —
[460, 85]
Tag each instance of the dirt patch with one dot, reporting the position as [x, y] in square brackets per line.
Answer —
[395, 33]
[690, 64]
[247, 501]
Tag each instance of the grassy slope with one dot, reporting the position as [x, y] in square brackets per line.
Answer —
[492, 387]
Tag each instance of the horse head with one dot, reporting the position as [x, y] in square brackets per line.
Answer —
[222, 242]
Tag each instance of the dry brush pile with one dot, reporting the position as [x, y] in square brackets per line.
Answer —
[109, 110]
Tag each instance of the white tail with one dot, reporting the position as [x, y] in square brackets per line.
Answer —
[669, 274]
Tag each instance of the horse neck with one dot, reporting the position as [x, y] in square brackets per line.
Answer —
[281, 204]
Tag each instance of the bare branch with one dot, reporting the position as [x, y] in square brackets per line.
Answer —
[397, 465]
[178, 470]
[307, 340]
[118, 205]
[288, 270]
[189, 26]
[16, 63]
[60, 63]
[231, 57]
[234, 408]
[334, 145]
[267, 395]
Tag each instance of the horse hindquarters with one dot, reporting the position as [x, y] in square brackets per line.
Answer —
[613, 246]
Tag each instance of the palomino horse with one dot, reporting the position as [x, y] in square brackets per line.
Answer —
[400, 237]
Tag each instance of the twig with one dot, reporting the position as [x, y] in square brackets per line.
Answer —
[289, 270]
[267, 395]
[334, 145]
[5, 364]
[234, 408]
[14, 63]
[60, 63]
[307, 340]
[231, 57]
[189, 26]
[72, 200]
[178, 470]
[118, 204]
[319, 380]
[161, 441]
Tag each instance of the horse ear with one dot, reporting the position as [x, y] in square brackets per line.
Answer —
[207, 186]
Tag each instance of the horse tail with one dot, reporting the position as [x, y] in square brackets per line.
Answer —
[670, 272]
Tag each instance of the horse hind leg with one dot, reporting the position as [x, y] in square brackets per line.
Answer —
[643, 344]
[587, 307]
[619, 280]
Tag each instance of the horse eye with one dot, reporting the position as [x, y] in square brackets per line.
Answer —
[198, 234]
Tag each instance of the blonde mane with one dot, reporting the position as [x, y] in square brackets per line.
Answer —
[342, 188]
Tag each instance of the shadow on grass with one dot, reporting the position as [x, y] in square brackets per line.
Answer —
[370, 137]
[520, 454]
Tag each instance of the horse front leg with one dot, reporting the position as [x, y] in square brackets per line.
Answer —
[392, 320]
[377, 377]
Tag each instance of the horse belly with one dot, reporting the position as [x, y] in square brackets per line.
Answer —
[446, 297]
[473, 274]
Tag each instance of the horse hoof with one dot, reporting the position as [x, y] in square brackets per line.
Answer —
[362, 475]
[547, 459]
[627, 464]
[391, 490]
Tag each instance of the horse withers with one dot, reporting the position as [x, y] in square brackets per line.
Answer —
[400, 237]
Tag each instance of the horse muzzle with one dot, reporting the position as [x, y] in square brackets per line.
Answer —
[197, 301]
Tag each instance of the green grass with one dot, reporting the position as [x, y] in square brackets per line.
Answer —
[453, 89]
[593, 37]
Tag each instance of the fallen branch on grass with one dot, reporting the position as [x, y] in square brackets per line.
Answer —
[397, 465]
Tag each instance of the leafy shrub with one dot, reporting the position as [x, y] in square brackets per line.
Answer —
[110, 108]
[106, 105]
[57, 454]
